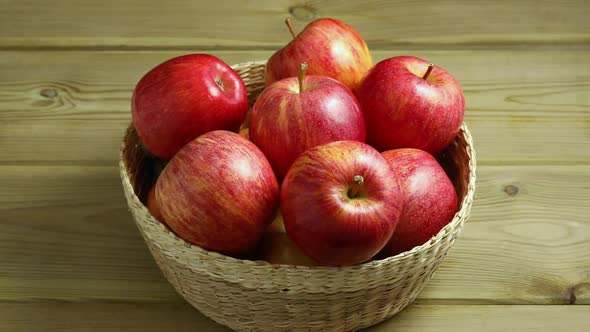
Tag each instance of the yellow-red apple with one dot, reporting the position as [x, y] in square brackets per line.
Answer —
[277, 248]
[330, 47]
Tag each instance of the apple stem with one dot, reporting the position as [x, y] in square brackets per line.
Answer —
[356, 188]
[291, 27]
[219, 83]
[430, 66]
[301, 76]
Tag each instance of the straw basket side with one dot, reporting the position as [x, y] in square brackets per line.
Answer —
[250, 295]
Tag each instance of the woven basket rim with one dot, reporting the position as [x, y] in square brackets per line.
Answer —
[201, 253]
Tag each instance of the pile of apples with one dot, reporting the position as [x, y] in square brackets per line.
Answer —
[333, 165]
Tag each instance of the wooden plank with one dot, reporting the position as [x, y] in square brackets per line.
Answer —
[522, 107]
[239, 24]
[527, 241]
[489, 318]
[106, 317]
[67, 236]
[68, 101]
[25, 317]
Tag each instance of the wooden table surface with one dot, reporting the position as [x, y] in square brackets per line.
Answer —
[71, 258]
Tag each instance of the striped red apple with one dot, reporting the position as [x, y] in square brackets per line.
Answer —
[329, 46]
[341, 202]
[430, 199]
[295, 114]
[409, 103]
[219, 192]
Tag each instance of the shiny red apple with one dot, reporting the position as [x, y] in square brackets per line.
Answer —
[409, 103]
[430, 199]
[329, 46]
[218, 192]
[295, 114]
[341, 202]
[185, 97]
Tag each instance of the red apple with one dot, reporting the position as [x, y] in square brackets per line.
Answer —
[153, 205]
[185, 97]
[341, 202]
[409, 103]
[430, 200]
[277, 248]
[218, 192]
[330, 47]
[295, 114]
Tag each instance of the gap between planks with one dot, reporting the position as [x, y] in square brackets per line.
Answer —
[517, 46]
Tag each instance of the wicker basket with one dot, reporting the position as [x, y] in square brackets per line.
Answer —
[257, 296]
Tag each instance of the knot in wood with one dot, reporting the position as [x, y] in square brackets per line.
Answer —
[511, 190]
[48, 93]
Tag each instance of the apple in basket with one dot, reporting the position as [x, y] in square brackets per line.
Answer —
[277, 248]
[297, 113]
[341, 202]
[153, 205]
[185, 97]
[430, 199]
[219, 192]
[409, 103]
[330, 47]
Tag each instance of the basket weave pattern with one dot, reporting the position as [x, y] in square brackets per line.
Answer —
[250, 295]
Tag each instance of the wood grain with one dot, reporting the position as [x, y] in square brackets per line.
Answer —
[532, 108]
[467, 318]
[249, 24]
[67, 235]
[181, 317]
[526, 240]
[72, 259]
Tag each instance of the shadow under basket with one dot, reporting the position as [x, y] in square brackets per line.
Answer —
[250, 295]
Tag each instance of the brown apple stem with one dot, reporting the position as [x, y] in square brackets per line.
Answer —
[291, 27]
[430, 66]
[301, 76]
[356, 188]
[219, 83]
